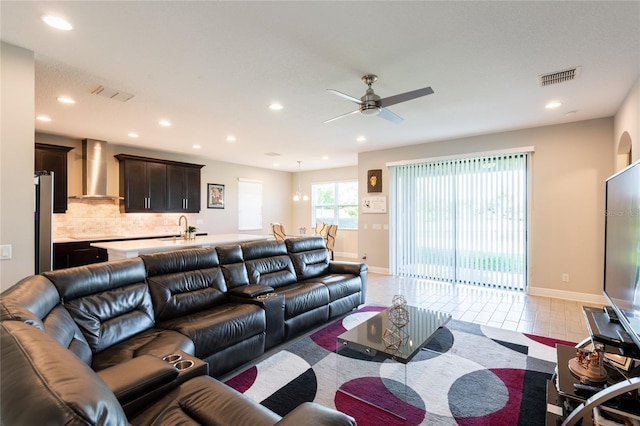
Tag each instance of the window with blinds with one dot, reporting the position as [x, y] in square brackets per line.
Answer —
[249, 204]
[461, 220]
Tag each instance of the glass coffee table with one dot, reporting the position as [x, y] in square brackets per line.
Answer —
[371, 338]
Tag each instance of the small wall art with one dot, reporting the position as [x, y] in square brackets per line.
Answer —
[374, 180]
[215, 196]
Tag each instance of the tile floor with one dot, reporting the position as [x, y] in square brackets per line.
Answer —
[543, 316]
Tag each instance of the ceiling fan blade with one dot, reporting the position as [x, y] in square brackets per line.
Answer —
[403, 97]
[344, 95]
[391, 116]
[341, 116]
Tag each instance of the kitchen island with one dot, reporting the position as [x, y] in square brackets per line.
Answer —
[128, 249]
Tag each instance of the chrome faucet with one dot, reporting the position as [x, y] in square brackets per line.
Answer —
[186, 226]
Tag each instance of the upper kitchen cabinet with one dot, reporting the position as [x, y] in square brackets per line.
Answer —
[53, 158]
[183, 188]
[152, 185]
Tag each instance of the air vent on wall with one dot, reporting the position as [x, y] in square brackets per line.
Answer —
[114, 94]
[559, 76]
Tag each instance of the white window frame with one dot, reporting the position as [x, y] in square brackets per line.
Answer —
[249, 204]
[336, 206]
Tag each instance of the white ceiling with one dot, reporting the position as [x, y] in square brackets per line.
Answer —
[213, 68]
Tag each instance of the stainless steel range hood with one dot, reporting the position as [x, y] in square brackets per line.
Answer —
[94, 171]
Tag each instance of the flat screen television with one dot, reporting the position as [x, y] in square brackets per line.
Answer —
[622, 248]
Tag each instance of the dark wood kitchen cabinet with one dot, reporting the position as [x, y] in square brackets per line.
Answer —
[158, 186]
[183, 188]
[53, 158]
[67, 255]
[143, 185]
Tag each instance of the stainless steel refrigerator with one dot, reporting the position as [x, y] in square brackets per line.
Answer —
[43, 217]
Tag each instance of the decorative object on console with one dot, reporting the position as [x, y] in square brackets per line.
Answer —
[215, 198]
[374, 180]
[588, 364]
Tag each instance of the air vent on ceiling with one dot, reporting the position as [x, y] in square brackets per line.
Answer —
[559, 76]
[114, 94]
[272, 154]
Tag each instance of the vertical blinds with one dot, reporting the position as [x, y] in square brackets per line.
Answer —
[461, 220]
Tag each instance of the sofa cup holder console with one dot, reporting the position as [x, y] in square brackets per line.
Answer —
[266, 296]
[180, 362]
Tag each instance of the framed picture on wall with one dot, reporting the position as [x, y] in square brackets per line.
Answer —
[374, 180]
[215, 196]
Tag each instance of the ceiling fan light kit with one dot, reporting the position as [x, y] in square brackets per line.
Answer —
[372, 104]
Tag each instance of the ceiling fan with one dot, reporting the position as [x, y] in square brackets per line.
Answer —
[372, 104]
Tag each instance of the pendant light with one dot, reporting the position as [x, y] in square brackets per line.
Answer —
[299, 194]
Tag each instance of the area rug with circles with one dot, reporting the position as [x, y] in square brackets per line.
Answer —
[468, 374]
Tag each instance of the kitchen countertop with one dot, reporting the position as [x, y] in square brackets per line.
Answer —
[133, 248]
[111, 237]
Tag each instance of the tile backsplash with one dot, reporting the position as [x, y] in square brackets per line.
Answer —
[102, 217]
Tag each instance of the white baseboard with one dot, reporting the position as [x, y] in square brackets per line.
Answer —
[568, 295]
[381, 271]
[351, 256]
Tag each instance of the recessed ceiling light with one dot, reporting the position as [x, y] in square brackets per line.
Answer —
[164, 123]
[361, 139]
[325, 157]
[57, 22]
[231, 138]
[275, 106]
[66, 100]
[133, 135]
[553, 104]
[43, 118]
[196, 147]
[276, 164]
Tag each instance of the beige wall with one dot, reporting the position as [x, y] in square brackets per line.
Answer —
[276, 189]
[346, 240]
[569, 167]
[627, 128]
[16, 162]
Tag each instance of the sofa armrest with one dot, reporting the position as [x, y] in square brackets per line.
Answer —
[341, 267]
[250, 291]
[310, 413]
[138, 376]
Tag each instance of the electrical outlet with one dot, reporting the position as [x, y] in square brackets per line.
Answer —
[364, 257]
[565, 278]
[5, 252]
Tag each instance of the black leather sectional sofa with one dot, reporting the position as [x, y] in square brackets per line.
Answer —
[88, 343]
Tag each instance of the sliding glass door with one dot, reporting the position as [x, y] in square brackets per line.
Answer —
[461, 220]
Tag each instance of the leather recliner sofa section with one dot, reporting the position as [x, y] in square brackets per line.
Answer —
[223, 305]
[43, 384]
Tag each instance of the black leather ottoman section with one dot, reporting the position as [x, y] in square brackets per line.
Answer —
[305, 321]
[154, 342]
[216, 329]
[234, 356]
[204, 400]
[340, 285]
[342, 306]
[300, 298]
